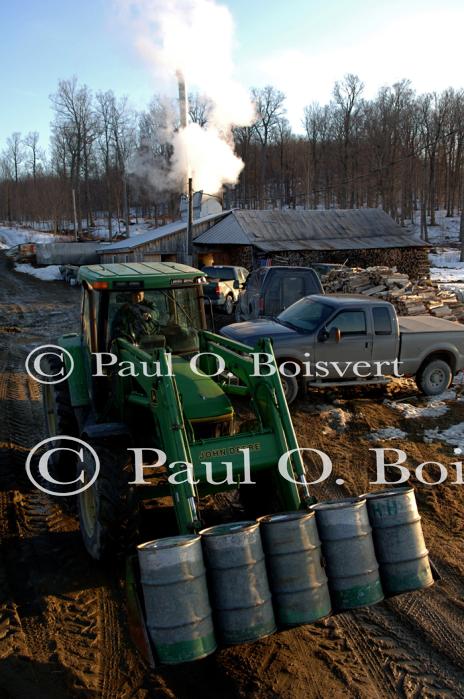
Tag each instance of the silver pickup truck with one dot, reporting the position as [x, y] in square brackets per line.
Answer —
[335, 340]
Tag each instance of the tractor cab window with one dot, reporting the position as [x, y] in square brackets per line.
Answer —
[154, 318]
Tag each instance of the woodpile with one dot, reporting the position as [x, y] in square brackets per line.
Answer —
[410, 298]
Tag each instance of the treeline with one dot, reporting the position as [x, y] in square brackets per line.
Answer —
[400, 151]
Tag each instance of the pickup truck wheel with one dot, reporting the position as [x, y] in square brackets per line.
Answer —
[229, 304]
[108, 515]
[435, 377]
[290, 386]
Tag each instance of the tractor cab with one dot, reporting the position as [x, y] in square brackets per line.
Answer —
[148, 304]
[128, 309]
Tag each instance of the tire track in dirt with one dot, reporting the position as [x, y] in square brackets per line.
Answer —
[65, 614]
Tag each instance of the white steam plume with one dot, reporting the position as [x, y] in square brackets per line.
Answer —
[194, 37]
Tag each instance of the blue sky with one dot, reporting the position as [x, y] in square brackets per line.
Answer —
[300, 46]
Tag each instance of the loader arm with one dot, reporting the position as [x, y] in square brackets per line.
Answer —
[172, 430]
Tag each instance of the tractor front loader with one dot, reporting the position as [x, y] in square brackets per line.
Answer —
[152, 397]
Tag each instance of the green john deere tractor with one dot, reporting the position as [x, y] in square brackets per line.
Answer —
[150, 316]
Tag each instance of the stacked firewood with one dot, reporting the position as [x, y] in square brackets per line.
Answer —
[409, 297]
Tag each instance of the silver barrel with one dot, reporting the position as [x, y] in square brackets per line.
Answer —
[349, 553]
[296, 576]
[240, 594]
[178, 611]
[399, 541]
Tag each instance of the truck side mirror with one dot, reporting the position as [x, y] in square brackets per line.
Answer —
[335, 335]
[236, 284]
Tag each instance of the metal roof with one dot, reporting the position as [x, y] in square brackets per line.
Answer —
[334, 229]
[154, 234]
[153, 274]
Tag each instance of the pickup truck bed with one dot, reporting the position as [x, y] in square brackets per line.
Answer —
[420, 336]
[427, 324]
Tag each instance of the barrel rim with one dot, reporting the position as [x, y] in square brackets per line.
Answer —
[279, 517]
[169, 542]
[339, 504]
[388, 492]
[230, 528]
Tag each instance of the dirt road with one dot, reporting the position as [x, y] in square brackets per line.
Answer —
[62, 617]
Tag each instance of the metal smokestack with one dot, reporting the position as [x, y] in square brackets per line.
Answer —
[183, 111]
[182, 99]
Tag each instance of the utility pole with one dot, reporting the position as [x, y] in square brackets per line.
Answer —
[126, 203]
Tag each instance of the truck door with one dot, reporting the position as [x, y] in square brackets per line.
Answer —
[355, 346]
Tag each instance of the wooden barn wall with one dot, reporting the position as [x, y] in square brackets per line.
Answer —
[173, 244]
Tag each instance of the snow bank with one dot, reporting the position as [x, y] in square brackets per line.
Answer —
[46, 274]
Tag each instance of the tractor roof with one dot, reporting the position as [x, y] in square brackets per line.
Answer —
[149, 275]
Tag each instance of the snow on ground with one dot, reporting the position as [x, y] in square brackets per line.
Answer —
[445, 266]
[453, 435]
[336, 418]
[439, 274]
[100, 232]
[47, 274]
[9, 237]
[388, 433]
[447, 229]
[447, 257]
[435, 407]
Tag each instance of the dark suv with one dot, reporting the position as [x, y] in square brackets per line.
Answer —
[269, 290]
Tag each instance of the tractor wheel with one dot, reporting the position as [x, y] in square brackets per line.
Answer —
[229, 305]
[108, 515]
[59, 416]
[290, 386]
[435, 377]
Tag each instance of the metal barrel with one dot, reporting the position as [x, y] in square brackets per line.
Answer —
[239, 587]
[178, 611]
[348, 549]
[297, 579]
[399, 541]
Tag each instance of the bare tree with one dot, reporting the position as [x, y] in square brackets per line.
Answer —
[269, 105]
[73, 118]
[15, 153]
[36, 155]
[346, 95]
[199, 109]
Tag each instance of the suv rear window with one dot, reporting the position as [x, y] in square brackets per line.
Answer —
[225, 273]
